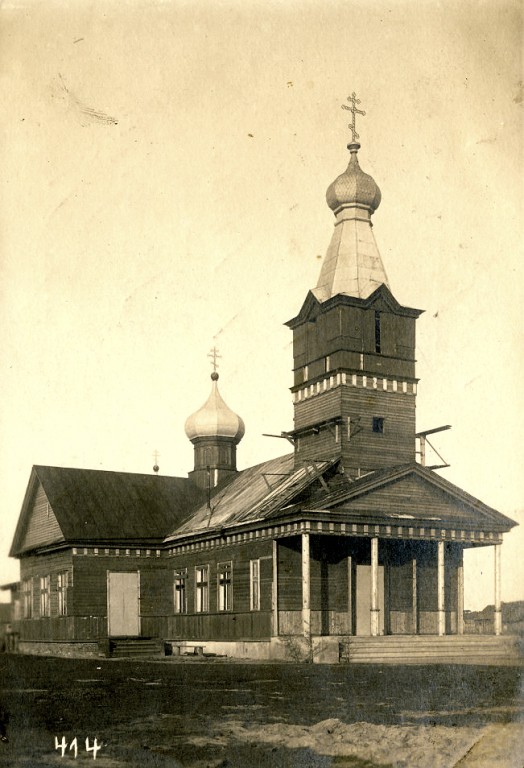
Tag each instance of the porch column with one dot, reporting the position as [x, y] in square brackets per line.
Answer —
[498, 607]
[414, 602]
[274, 589]
[440, 589]
[374, 587]
[306, 587]
[460, 594]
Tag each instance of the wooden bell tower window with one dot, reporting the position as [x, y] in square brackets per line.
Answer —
[378, 343]
[378, 425]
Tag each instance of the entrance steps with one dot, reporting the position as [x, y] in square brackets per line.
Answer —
[131, 647]
[482, 650]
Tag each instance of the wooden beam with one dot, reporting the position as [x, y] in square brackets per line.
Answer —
[414, 621]
[374, 587]
[441, 589]
[274, 590]
[498, 606]
[306, 587]
[460, 594]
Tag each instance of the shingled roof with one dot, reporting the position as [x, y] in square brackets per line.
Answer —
[394, 495]
[97, 505]
[254, 494]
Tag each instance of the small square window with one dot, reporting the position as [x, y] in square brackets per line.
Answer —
[378, 425]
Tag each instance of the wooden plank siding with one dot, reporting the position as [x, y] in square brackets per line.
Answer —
[255, 625]
[362, 447]
[155, 588]
[412, 496]
[344, 332]
[239, 623]
[86, 617]
[334, 588]
[42, 527]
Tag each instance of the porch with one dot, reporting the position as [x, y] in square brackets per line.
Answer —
[329, 585]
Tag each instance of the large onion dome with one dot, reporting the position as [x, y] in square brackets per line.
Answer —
[215, 419]
[353, 187]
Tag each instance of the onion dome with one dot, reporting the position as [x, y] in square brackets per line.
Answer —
[215, 419]
[353, 187]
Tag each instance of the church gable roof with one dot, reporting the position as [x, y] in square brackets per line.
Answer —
[97, 505]
[411, 493]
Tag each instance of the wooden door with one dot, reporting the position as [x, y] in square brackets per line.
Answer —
[123, 594]
[363, 599]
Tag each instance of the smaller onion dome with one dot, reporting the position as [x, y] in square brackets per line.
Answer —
[353, 187]
[215, 419]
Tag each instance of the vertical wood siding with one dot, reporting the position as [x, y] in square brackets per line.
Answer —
[42, 526]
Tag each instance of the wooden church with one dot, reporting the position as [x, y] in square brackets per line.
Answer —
[344, 549]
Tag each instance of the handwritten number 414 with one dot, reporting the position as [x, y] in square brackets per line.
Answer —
[62, 746]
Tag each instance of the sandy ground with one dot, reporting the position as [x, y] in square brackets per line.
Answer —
[150, 715]
[332, 743]
[412, 746]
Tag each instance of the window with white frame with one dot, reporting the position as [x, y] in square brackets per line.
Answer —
[202, 588]
[62, 585]
[180, 591]
[44, 595]
[254, 585]
[27, 598]
[225, 587]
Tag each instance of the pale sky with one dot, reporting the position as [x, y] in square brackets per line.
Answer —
[162, 189]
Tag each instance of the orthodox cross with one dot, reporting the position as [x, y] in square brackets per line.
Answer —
[353, 108]
[213, 354]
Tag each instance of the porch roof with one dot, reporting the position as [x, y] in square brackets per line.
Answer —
[404, 495]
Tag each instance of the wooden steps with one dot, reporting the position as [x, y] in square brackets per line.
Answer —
[132, 647]
[431, 649]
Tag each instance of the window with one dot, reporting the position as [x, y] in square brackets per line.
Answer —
[377, 332]
[44, 595]
[180, 593]
[61, 588]
[254, 585]
[27, 597]
[225, 594]
[378, 425]
[202, 588]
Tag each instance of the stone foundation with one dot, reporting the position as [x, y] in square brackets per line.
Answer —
[64, 650]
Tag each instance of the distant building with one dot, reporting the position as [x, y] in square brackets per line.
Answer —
[347, 537]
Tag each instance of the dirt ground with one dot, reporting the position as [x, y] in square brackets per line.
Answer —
[221, 714]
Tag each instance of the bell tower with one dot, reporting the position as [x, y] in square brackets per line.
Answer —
[354, 388]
